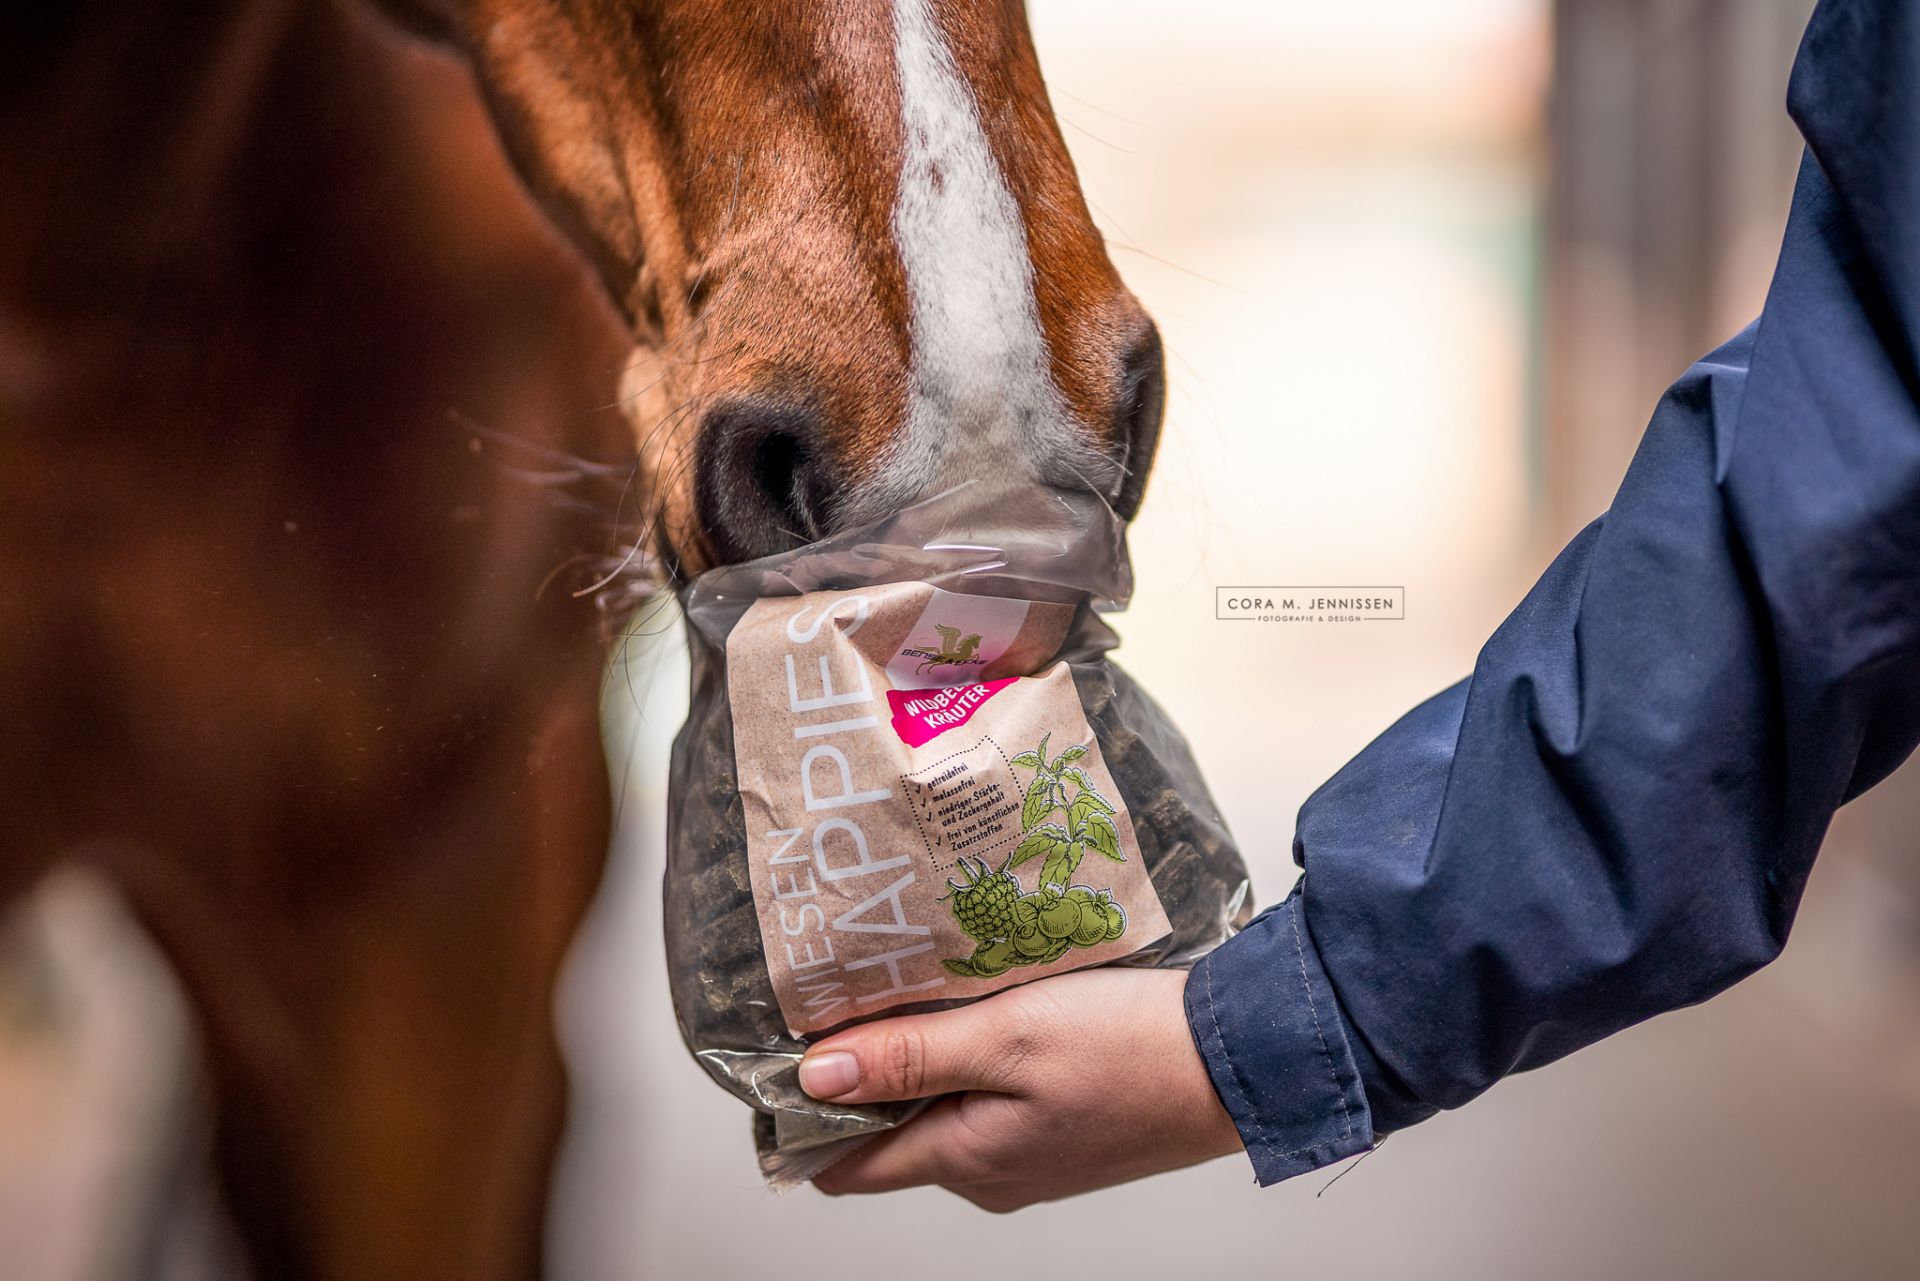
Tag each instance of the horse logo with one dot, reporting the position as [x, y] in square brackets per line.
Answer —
[954, 650]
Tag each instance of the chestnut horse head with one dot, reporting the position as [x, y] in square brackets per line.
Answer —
[277, 657]
[850, 243]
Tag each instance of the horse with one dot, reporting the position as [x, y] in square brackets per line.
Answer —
[362, 362]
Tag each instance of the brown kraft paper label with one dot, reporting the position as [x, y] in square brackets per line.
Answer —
[928, 816]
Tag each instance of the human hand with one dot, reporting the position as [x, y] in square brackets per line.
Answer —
[1073, 1083]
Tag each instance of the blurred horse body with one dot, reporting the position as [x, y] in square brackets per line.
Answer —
[273, 658]
[290, 647]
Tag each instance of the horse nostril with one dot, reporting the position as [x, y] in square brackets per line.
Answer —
[761, 479]
[1142, 400]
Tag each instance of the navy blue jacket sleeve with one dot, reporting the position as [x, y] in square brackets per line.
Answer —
[1615, 815]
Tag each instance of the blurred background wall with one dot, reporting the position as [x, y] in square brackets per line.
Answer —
[1422, 270]
[1670, 165]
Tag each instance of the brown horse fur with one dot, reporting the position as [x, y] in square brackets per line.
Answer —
[290, 644]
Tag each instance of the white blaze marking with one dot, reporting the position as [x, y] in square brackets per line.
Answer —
[982, 393]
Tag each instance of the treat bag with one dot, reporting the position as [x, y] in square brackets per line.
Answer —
[911, 778]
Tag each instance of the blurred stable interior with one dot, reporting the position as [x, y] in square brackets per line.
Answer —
[1423, 270]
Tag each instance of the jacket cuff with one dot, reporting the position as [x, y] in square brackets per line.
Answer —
[1275, 1044]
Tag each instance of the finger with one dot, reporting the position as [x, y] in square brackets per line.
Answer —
[926, 1151]
[977, 1047]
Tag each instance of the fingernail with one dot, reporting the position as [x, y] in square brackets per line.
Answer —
[829, 1075]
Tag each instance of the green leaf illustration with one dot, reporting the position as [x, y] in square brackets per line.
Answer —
[1039, 802]
[1042, 753]
[961, 965]
[1085, 806]
[1028, 760]
[1057, 872]
[1045, 839]
[1102, 835]
[1096, 800]
[1068, 757]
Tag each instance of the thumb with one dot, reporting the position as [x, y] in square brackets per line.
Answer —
[916, 1057]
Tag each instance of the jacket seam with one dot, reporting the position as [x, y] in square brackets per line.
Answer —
[1233, 1071]
[1313, 1008]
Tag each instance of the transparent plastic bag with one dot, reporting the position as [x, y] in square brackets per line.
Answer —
[910, 777]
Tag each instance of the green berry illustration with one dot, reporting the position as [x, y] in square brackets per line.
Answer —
[984, 905]
[989, 960]
[1011, 925]
[1094, 923]
[993, 959]
[1032, 943]
[1061, 920]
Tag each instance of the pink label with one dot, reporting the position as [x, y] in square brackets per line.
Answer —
[922, 715]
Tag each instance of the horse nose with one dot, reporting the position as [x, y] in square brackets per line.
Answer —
[763, 480]
[768, 477]
[1141, 404]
